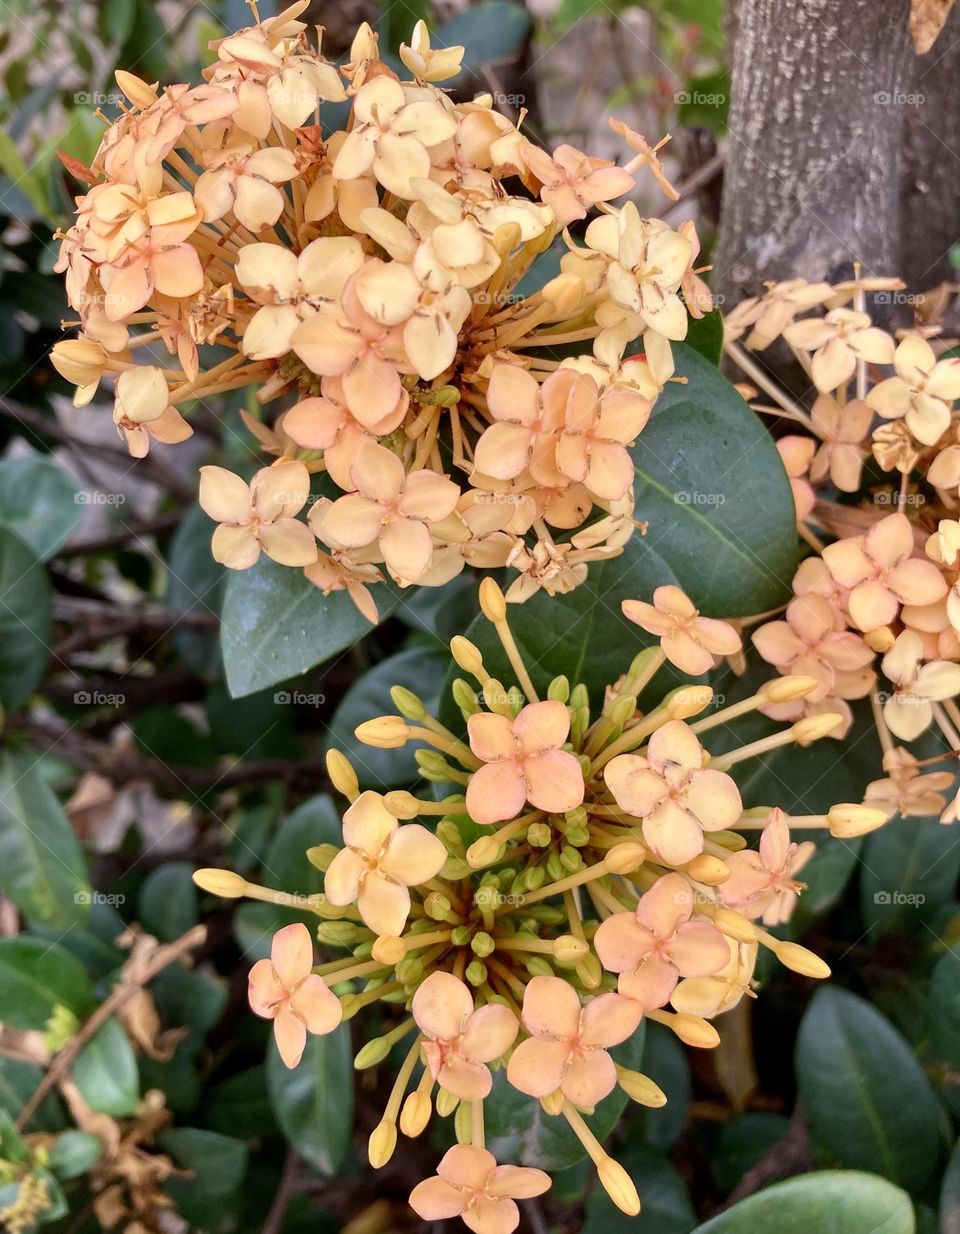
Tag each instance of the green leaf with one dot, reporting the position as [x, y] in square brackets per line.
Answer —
[418, 670]
[950, 1194]
[18, 1081]
[868, 1103]
[517, 1129]
[313, 1102]
[195, 584]
[28, 180]
[666, 1205]
[277, 625]
[41, 866]
[701, 454]
[665, 1062]
[38, 501]
[491, 32]
[167, 902]
[705, 102]
[26, 620]
[582, 634]
[241, 1105]
[105, 1072]
[742, 1142]
[705, 336]
[35, 977]
[217, 1165]
[829, 1202]
[73, 1153]
[910, 869]
[945, 1004]
[115, 21]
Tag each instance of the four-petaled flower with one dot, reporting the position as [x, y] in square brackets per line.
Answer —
[458, 1040]
[523, 762]
[922, 391]
[259, 515]
[689, 641]
[567, 1046]
[571, 181]
[469, 1184]
[761, 882]
[674, 795]
[286, 990]
[380, 862]
[908, 712]
[657, 944]
[838, 341]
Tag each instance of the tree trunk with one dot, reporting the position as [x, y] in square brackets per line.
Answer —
[813, 156]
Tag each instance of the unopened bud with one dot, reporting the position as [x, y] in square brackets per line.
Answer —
[786, 689]
[364, 45]
[846, 822]
[371, 1054]
[407, 703]
[446, 1103]
[568, 950]
[492, 601]
[382, 1142]
[483, 852]
[618, 1185]
[437, 906]
[467, 655]
[695, 1031]
[415, 1114]
[801, 960]
[880, 640]
[558, 690]
[570, 859]
[641, 1088]
[590, 971]
[688, 701]
[342, 775]
[564, 292]
[625, 858]
[433, 766]
[321, 855]
[476, 972]
[812, 728]
[223, 883]
[338, 933]
[537, 966]
[401, 804]
[384, 733]
[623, 709]
[482, 944]
[448, 833]
[709, 870]
[465, 697]
[539, 835]
[735, 925]
[388, 949]
[553, 1102]
[137, 91]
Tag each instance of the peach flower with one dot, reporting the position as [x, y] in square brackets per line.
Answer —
[460, 1041]
[689, 641]
[469, 1184]
[286, 990]
[761, 882]
[259, 515]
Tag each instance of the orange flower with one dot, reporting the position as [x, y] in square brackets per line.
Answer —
[470, 1184]
[657, 944]
[259, 515]
[841, 429]
[285, 990]
[523, 762]
[380, 862]
[689, 641]
[460, 1041]
[669, 789]
[571, 181]
[838, 341]
[567, 1047]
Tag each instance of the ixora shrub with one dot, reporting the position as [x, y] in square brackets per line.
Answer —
[590, 869]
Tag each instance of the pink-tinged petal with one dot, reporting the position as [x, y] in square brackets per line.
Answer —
[551, 1008]
[699, 949]
[326, 264]
[430, 342]
[316, 1004]
[872, 604]
[264, 990]
[651, 984]
[326, 347]
[673, 834]
[127, 291]
[542, 726]
[378, 474]
[496, 792]
[537, 1067]
[442, 1005]
[647, 617]
[890, 540]
[372, 388]
[636, 788]
[668, 903]
[465, 1078]
[383, 904]
[223, 495]
[848, 562]
[714, 799]
[503, 451]
[554, 781]
[314, 423]
[436, 1200]
[491, 1030]
[413, 855]
[289, 542]
[467, 1166]
[622, 943]
[235, 547]
[291, 1036]
[341, 883]
[591, 1077]
[491, 736]
[520, 1182]
[718, 636]
[429, 496]
[682, 650]
[292, 954]
[492, 1216]
[351, 522]
[407, 548]
[367, 824]
[269, 331]
[513, 394]
[280, 490]
[177, 272]
[917, 582]
[749, 879]
[775, 841]
[608, 1019]
[610, 472]
[675, 742]
[777, 643]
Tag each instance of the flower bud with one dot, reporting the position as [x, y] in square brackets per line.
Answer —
[482, 944]
[813, 727]
[590, 972]
[693, 1030]
[223, 883]
[371, 1054]
[492, 601]
[407, 703]
[138, 92]
[342, 775]
[618, 1185]
[437, 906]
[388, 949]
[846, 822]
[455, 868]
[801, 960]
[537, 966]
[625, 858]
[570, 859]
[415, 1114]
[564, 292]
[410, 970]
[712, 871]
[553, 1102]
[446, 1103]
[401, 804]
[467, 655]
[465, 697]
[449, 834]
[483, 852]
[735, 925]
[558, 690]
[384, 733]
[641, 1088]
[321, 855]
[539, 835]
[382, 1142]
[623, 709]
[463, 1123]
[568, 950]
[786, 689]
[476, 972]
[79, 361]
[688, 701]
[364, 45]
[433, 766]
[880, 640]
[338, 933]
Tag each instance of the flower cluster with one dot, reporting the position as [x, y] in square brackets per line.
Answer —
[589, 871]
[354, 245]
[876, 477]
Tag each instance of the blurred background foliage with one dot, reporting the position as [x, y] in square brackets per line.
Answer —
[126, 763]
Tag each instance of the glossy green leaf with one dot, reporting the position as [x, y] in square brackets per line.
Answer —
[829, 1202]
[37, 976]
[491, 32]
[73, 1153]
[702, 453]
[217, 1165]
[665, 1062]
[26, 620]
[40, 502]
[950, 1194]
[741, 1142]
[18, 1082]
[420, 670]
[195, 584]
[105, 1072]
[945, 1005]
[41, 865]
[909, 869]
[868, 1103]
[313, 1102]
[666, 1205]
[277, 625]
[167, 902]
[705, 336]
